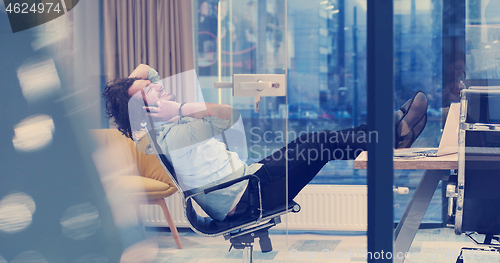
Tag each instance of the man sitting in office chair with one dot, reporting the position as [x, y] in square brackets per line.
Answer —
[188, 131]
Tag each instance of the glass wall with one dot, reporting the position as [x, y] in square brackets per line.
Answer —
[249, 44]
[327, 74]
[246, 37]
[325, 60]
[327, 77]
[326, 66]
[418, 65]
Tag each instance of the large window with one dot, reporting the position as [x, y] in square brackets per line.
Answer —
[327, 74]
[482, 43]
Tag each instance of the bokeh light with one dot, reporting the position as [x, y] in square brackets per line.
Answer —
[80, 221]
[33, 133]
[38, 79]
[52, 32]
[16, 212]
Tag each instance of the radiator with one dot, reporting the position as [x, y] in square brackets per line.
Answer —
[323, 207]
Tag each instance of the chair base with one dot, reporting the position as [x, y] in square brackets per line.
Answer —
[488, 243]
[245, 238]
[460, 258]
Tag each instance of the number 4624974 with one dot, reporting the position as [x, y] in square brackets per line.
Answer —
[24, 8]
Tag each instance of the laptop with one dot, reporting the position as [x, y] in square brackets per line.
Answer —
[449, 138]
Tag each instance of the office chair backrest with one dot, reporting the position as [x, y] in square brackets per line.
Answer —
[151, 136]
[200, 224]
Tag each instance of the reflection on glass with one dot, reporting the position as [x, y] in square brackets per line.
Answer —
[33, 133]
[207, 38]
[233, 25]
[80, 221]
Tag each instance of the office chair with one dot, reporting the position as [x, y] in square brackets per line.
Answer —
[241, 232]
[475, 199]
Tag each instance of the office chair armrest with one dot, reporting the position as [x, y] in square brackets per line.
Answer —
[229, 183]
[255, 197]
[197, 191]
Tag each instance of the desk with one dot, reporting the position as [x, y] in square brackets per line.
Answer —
[436, 169]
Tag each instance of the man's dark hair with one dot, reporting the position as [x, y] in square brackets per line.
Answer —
[116, 98]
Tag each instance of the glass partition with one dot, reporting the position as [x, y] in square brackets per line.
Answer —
[247, 37]
[448, 49]
[327, 75]
[326, 94]
[419, 33]
[418, 66]
[321, 47]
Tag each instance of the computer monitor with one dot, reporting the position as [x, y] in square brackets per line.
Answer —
[483, 104]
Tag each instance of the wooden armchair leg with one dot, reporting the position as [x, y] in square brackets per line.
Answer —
[170, 221]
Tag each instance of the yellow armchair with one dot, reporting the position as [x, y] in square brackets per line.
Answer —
[140, 175]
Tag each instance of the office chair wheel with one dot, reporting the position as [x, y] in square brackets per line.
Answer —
[460, 258]
[265, 244]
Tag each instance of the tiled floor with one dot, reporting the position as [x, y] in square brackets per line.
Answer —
[430, 245]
